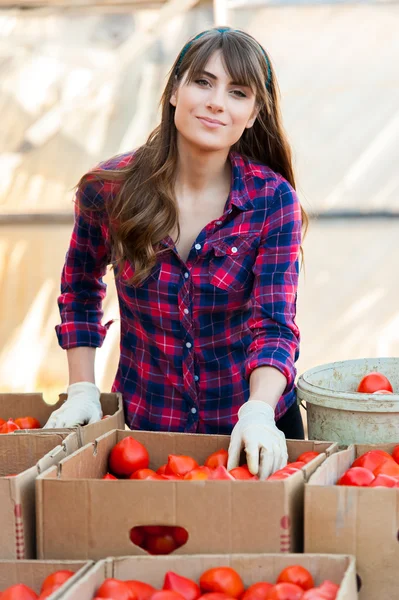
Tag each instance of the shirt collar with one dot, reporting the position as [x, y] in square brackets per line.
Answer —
[243, 170]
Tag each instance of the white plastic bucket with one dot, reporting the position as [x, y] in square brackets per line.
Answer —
[336, 412]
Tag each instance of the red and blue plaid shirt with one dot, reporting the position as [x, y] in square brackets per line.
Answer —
[192, 332]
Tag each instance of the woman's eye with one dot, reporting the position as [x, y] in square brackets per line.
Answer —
[201, 82]
[239, 93]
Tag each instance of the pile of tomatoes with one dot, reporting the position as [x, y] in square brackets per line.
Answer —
[129, 459]
[222, 583]
[20, 423]
[52, 582]
[375, 383]
[375, 468]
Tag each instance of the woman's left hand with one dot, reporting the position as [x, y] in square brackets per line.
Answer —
[257, 433]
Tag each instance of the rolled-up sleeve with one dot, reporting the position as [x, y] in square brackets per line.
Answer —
[82, 286]
[275, 335]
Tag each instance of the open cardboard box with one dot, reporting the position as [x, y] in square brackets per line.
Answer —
[34, 405]
[26, 456]
[251, 567]
[220, 516]
[357, 520]
[33, 572]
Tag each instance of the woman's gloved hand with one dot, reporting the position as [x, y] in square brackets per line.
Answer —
[257, 433]
[82, 406]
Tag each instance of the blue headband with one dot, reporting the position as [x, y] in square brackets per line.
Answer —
[222, 30]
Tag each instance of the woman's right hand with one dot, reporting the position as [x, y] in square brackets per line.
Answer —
[81, 407]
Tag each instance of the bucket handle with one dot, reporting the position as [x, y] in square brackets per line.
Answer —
[301, 404]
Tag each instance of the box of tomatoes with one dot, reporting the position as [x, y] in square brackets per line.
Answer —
[30, 412]
[31, 579]
[22, 458]
[352, 505]
[219, 577]
[139, 492]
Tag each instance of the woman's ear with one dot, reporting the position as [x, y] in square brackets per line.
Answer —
[253, 117]
[173, 98]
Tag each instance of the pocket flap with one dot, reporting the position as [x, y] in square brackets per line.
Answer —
[233, 245]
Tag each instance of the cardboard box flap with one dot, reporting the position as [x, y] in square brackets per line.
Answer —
[326, 473]
[23, 451]
[13, 406]
[33, 572]
[68, 445]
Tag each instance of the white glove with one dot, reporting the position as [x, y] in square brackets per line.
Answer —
[82, 406]
[264, 444]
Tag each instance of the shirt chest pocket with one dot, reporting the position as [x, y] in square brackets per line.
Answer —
[231, 261]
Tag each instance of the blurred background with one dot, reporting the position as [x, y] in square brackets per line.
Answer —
[80, 81]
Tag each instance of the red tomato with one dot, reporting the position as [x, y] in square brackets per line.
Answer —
[128, 456]
[373, 382]
[2, 421]
[243, 473]
[9, 427]
[160, 544]
[215, 596]
[257, 591]
[115, 589]
[389, 467]
[330, 589]
[384, 481]
[166, 595]
[19, 592]
[198, 474]
[161, 470]
[222, 579]
[280, 474]
[307, 456]
[137, 536]
[372, 459]
[172, 477]
[395, 454]
[109, 476]
[285, 591]
[298, 575]
[141, 590]
[382, 392]
[47, 592]
[180, 535]
[220, 473]
[315, 594]
[27, 423]
[155, 529]
[146, 474]
[358, 476]
[182, 585]
[217, 459]
[179, 464]
[298, 464]
[56, 578]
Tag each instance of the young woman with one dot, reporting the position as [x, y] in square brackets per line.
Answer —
[203, 228]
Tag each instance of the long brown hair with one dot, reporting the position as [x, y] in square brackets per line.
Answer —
[144, 206]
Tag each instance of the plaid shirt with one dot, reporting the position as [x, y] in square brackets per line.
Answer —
[192, 332]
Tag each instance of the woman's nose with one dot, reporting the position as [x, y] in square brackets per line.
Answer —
[216, 100]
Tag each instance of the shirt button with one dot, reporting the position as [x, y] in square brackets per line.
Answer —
[196, 377]
[197, 246]
[186, 275]
[234, 249]
[193, 410]
[188, 344]
[218, 222]
[186, 311]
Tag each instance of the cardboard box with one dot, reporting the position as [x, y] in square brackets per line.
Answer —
[252, 568]
[34, 405]
[357, 520]
[220, 516]
[33, 573]
[26, 455]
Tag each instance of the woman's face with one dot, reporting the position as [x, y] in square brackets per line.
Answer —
[212, 112]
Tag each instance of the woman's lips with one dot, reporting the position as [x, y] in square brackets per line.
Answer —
[212, 124]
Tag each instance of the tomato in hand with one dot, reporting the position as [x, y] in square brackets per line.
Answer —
[217, 459]
[298, 575]
[374, 382]
[160, 544]
[184, 586]
[56, 579]
[307, 456]
[9, 427]
[19, 592]
[372, 459]
[243, 473]
[285, 591]
[179, 464]
[257, 591]
[357, 476]
[128, 456]
[115, 589]
[141, 590]
[27, 423]
[222, 579]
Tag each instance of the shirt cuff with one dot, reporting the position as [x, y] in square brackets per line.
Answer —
[75, 334]
[256, 360]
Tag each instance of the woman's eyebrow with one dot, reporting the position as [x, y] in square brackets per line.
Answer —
[213, 76]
